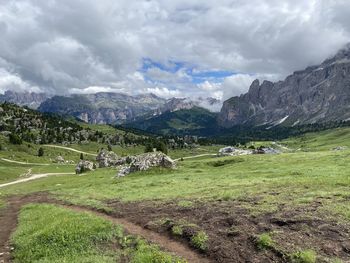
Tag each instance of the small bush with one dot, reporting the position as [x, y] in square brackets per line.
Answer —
[264, 241]
[199, 240]
[41, 152]
[15, 139]
[177, 230]
[306, 256]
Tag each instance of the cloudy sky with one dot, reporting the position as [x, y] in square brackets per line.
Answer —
[168, 47]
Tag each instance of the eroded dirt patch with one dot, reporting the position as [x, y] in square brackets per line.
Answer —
[8, 223]
[233, 231]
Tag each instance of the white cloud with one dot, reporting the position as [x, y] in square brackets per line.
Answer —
[63, 45]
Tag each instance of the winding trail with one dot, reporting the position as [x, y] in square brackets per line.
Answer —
[9, 217]
[31, 178]
[18, 162]
[69, 149]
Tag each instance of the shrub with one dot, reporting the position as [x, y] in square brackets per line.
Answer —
[306, 256]
[264, 241]
[177, 230]
[41, 152]
[81, 156]
[199, 240]
[15, 139]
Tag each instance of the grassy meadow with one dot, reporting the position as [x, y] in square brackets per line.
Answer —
[309, 172]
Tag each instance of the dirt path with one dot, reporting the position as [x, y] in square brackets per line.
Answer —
[8, 223]
[164, 242]
[196, 156]
[69, 149]
[12, 161]
[32, 177]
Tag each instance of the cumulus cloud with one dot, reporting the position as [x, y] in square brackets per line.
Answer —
[71, 46]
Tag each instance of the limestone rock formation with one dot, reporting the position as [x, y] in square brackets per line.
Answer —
[107, 159]
[317, 94]
[146, 161]
[84, 166]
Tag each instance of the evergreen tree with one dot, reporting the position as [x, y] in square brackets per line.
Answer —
[81, 156]
[41, 152]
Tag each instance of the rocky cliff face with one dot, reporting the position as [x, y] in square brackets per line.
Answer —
[104, 107]
[115, 108]
[32, 100]
[317, 94]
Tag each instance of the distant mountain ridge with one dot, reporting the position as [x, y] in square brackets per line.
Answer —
[30, 99]
[116, 108]
[317, 94]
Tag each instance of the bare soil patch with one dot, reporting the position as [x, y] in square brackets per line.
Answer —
[233, 231]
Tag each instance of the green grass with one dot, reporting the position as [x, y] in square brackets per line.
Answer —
[297, 178]
[47, 233]
[305, 256]
[51, 234]
[320, 141]
[264, 241]
[199, 240]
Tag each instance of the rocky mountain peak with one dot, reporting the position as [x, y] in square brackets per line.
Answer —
[318, 93]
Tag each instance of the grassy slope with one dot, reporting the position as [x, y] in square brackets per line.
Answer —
[293, 179]
[321, 141]
[196, 120]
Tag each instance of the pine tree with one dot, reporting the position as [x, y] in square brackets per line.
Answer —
[41, 152]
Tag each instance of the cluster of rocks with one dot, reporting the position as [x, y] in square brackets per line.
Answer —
[107, 159]
[127, 164]
[146, 161]
[84, 166]
[232, 151]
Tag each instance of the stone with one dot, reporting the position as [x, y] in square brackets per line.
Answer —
[146, 161]
[232, 151]
[84, 166]
[59, 159]
[107, 159]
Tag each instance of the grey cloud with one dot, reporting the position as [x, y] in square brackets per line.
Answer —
[68, 45]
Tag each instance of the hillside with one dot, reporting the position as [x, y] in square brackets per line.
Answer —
[314, 95]
[194, 121]
[21, 124]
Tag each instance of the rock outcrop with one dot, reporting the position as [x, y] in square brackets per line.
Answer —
[107, 159]
[30, 99]
[317, 94]
[146, 161]
[84, 166]
[232, 151]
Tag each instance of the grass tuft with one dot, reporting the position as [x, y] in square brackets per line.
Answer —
[199, 240]
[305, 256]
[264, 241]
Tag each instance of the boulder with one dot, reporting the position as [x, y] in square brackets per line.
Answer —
[59, 159]
[84, 166]
[146, 161]
[107, 159]
[232, 151]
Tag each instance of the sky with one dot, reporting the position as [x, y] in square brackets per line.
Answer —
[172, 48]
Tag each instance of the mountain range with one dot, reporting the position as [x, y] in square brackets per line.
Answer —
[317, 94]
